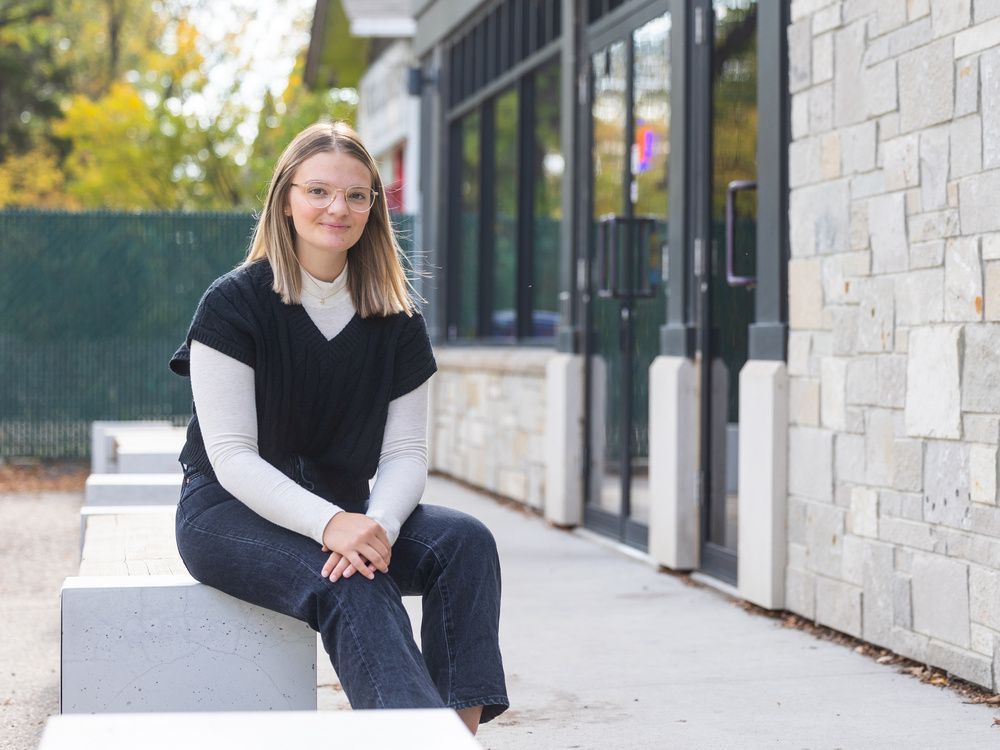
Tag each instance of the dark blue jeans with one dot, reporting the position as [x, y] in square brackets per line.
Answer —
[447, 557]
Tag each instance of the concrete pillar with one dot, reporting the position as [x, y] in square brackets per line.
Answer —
[763, 472]
[673, 463]
[563, 500]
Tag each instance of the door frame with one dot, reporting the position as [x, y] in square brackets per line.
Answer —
[617, 25]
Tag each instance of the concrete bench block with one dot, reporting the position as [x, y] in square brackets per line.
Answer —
[149, 451]
[133, 489]
[416, 729]
[168, 643]
[102, 445]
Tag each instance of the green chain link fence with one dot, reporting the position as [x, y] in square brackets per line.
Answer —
[92, 305]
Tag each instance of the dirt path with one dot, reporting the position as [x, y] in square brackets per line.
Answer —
[39, 547]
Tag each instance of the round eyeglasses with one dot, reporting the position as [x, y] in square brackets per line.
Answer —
[359, 198]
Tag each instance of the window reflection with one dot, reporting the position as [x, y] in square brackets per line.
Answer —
[468, 276]
[505, 216]
[548, 166]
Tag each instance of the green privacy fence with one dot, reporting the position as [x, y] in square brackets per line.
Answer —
[92, 305]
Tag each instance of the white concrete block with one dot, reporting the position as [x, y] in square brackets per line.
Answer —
[412, 729]
[763, 472]
[863, 517]
[981, 369]
[132, 489]
[563, 503]
[963, 280]
[168, 643]
[102, 433]
[983, 473]
[810, 463]
[149, 451]
[673, 430]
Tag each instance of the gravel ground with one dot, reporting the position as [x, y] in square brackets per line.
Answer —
[40, 547]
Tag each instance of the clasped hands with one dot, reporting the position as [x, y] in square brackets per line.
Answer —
[357, 544]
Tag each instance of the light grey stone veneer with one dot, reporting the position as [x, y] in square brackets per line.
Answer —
[894, 356]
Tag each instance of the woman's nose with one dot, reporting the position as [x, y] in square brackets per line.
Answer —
[339, 203]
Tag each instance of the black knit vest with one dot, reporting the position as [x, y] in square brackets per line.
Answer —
[318, 400]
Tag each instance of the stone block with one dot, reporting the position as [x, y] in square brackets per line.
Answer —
[891, 381]
[934, 225]
[984, 596]
[961, 662]
[983, 473]
[843, 322]
[849, 456]
[859, 228]
[800, 592]
[863, 517]
[822, 58]
[982, 639]
[917, 9]
[977, 38]
[825, 529]
[921, 536]
[934, 165]
[981, 371]
[799, 345]
[803, 401]
[906, 505]
[797, 510]
[880, 440]
[991, 246]
[991, 291]
[805, 294]
[865, 186]
[949, 16]
[891, 15]
[862, 380]
[826, 19]
[810, 463]
[926, 86]
[981, 428]
[910, 37]
[838, 605]
[989, 74]
[880, 89]
[800, 116]
[966, 136]
[908, 465]
[977, 202]
[804, 162]
[902, 603]
[102, 441]
[963, 280]
[985, 10]
[927, 254]
[946, 484]
[933, 398]
[799, 56]
[877, 312]
[853, 569]
[966, 87]
[941, 598]
[819, 219]
[920, 297]
[832, 392]
[878, 599]
[900, 159]
[849, 49]
[829, 150]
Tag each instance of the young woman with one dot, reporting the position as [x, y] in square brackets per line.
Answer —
[309, 367]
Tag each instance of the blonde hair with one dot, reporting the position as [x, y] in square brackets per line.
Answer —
[375, 277]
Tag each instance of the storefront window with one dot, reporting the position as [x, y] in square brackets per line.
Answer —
[547, 166]
[468, 275]
[503, 318]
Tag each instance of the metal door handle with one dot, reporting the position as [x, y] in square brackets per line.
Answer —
[734, 187]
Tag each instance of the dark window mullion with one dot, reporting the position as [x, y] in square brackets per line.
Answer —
[526, 150]
[454, 271]
[487, 217]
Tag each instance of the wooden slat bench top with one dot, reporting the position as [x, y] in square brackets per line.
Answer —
[131, 544]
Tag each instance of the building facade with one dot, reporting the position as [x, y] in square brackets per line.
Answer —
[720, 279]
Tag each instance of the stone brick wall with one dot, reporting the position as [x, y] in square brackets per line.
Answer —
[894, 349]
[488, 419]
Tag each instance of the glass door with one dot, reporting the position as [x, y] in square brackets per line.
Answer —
[627, 118]
[727, 288]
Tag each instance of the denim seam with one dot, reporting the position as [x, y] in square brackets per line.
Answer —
[361, 653]
[446, 615]
[254, 542]
[489, 700]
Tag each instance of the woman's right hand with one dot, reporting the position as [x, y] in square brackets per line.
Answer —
[358, 540]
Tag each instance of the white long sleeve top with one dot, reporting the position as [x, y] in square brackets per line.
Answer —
[223, 390]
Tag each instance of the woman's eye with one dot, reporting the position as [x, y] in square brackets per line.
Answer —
[317, 191]
[357, 195]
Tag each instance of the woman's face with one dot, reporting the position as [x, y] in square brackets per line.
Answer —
[324, 235]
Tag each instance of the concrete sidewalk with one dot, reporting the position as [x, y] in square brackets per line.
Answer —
[603, 651]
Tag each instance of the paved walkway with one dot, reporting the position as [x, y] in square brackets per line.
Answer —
[601, 651]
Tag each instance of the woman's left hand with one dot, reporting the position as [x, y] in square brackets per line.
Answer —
[337, 566]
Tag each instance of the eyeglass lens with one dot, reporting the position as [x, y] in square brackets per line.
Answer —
[358, 197]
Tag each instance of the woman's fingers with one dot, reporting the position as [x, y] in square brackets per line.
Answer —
[331, 562]
[376, 558]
